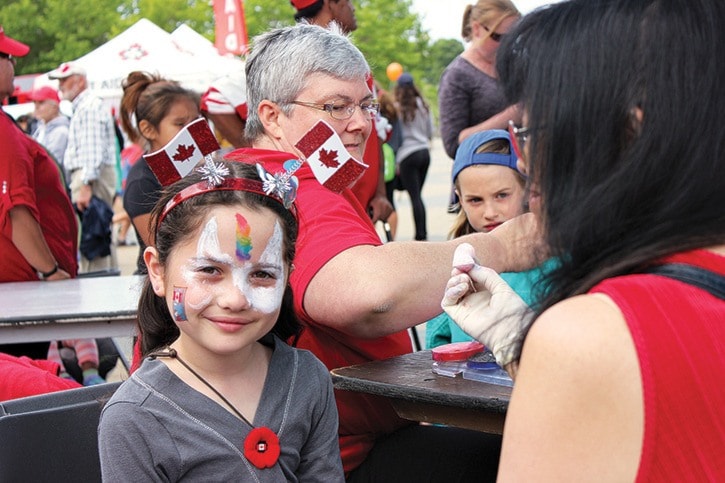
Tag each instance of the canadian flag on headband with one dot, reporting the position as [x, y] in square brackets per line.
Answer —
[175, 160]
[331, 163]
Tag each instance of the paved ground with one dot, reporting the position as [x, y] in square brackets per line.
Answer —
[435, 196]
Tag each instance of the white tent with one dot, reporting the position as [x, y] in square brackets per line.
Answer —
[147, 47]
[192, 41]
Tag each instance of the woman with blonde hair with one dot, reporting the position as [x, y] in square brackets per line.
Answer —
[469, 96]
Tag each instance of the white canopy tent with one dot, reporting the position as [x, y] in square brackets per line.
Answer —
[147, 47]
[192, 41]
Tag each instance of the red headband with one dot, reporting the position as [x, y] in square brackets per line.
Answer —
[229, 184]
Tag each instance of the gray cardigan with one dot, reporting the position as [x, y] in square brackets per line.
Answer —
[157, 428]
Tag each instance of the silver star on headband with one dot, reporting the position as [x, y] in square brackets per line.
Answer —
[283, 185]
[213, 173]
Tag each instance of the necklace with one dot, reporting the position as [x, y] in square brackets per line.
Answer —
[172, 354]
[261, 446]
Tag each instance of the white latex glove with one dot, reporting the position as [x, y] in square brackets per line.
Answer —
[485, 307]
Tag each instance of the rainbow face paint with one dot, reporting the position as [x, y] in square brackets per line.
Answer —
[224, 252]
[244, 239]
[267, 299]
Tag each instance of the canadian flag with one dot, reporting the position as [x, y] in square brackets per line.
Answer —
[175, 160]
[331, 163]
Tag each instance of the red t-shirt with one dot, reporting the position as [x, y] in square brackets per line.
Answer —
[330, 223]
[30, 177]
[679, 333]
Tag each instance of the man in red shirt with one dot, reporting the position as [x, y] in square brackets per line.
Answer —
[356, 296]
[38, 228]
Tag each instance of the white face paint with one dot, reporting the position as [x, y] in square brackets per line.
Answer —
[206, 248]
[264, 299]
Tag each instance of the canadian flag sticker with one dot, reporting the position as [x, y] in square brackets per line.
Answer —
[183, 152]
[331, 163]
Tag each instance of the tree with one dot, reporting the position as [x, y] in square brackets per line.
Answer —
[263, 15]
[388, 32]
[169, 14]
[440, 54]
[58, 30]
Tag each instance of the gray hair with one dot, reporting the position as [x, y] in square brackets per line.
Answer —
[281, 61]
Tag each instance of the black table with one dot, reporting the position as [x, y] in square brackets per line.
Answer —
[418, 394]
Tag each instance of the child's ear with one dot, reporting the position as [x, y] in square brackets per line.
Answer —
[156, 271]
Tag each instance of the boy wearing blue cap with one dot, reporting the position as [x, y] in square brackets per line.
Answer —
[487, 183]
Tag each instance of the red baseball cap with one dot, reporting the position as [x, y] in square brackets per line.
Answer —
[45, 93]
[12, 46]
[301, 4]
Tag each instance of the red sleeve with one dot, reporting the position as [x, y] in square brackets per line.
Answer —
[330, 223]
[16, 173]
[21, 377]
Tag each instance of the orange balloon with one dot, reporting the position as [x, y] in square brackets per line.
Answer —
[394, 71]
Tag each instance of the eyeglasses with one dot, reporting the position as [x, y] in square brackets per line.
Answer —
[12, 59]
[519, 138]
[343, 111]
[495, 36]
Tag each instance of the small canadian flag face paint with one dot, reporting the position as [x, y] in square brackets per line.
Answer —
[178, 303]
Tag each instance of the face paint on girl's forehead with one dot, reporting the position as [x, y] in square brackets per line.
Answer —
[272, 254]
[207, 248]
[265, 299]
[208, 245]
[244, 239]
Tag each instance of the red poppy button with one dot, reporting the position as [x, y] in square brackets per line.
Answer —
[261, 447]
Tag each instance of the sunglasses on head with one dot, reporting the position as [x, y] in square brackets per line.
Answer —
[519, 137]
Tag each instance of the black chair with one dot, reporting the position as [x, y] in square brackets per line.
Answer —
[53, 437]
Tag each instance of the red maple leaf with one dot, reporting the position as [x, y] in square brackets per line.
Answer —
[184, 152]
[329, 158]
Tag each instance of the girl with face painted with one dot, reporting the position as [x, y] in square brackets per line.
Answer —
[219, 395]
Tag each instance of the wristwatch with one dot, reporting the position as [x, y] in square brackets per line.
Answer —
[45, 275]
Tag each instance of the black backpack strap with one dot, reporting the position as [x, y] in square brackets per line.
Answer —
[699, 277]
